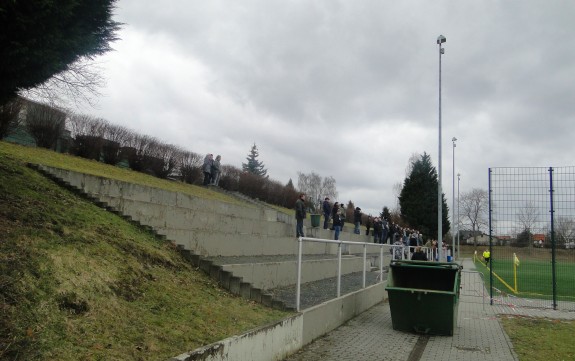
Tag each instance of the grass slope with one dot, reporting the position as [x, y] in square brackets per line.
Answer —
[79, 283]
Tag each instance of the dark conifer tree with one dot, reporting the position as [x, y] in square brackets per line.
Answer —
[418, 198]
[41, 38]
[385, 214]
[253, 165]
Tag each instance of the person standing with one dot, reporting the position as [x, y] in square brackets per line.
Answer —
[368, 225]
[207, 168]
[384, 231]
[326, 212]
[412, 241]
[300, 215]
[342, 215]
[418, 255]
[334, 211]
[486, 256]
[336, 217]
[376, 230]
[216, 170]
[357, 220]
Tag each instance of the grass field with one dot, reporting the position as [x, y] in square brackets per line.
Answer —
[534, 278]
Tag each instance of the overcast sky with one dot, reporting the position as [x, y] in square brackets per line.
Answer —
[349, 89]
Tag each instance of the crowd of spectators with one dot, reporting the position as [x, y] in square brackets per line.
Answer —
[383, 231]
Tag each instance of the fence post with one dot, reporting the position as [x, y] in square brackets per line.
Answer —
[490, 243]
[553, 244]
[298, 287]
[364, 263]
[339, 269]
[381, 262]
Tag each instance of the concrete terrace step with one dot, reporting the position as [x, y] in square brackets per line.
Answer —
[106, 189]
[211, 243]
[267, 272]
[174, 217]
[213, 228]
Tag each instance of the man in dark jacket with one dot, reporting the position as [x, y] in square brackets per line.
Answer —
[356, 219]
[336, 216]
[326, 212]
[300, 215]
[377, 230]
[419, 255]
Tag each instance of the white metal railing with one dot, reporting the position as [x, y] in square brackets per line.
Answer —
[404, 252]
[301, 240]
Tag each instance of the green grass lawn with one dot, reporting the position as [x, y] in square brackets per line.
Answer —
[534, 278]
[80, 283]
[539, 339]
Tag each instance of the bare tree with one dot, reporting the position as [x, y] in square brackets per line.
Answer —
[162, 159]
[191, 167]
[229, 177]
[396, 193]
[412, 160]
[139, 149]
[310, 184]
[45, 124]
[79, 84]
[565, 229]
[114, 137]
[474, 210]
[528, 216]
[328, 188]
[88, 134]
[10, 116]
[316, 187]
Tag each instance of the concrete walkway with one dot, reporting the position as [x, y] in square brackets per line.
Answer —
[478, 336]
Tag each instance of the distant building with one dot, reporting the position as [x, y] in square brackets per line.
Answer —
[538, 240]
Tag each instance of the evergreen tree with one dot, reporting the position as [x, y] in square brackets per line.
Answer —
[385, 214]
[254, 166]
[418, 198]
[41, 38]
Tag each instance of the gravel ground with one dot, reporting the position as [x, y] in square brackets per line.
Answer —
[314, 293]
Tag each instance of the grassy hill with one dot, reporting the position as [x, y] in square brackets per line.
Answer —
[80, 283]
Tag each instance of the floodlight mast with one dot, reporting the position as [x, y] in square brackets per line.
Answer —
[458, 249]
[440, 40]
[453, 140]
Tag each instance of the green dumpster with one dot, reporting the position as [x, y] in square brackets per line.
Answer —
[423, 296]
[315, 218]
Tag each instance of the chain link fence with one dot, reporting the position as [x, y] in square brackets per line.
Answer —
[531, 237]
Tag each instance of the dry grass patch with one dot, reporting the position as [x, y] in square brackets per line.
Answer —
[541, 339]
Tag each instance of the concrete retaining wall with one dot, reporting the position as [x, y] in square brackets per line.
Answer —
[277, 274]
[206, 227]
[276, 342]
[217, 228]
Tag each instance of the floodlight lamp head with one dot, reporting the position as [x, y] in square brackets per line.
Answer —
[454, 139]
[441, 39]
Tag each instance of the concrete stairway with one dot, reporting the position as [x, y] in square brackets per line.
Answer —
[247, 248]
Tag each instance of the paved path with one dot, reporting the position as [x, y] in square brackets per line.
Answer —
[478, 336]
